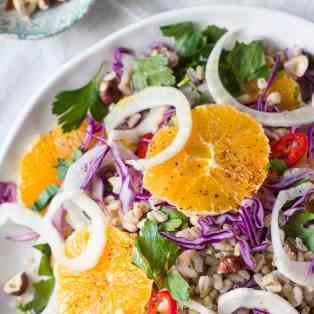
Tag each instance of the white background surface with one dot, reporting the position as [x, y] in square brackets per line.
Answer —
[25, 66]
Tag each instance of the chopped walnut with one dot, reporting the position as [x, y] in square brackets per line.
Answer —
[230, 264]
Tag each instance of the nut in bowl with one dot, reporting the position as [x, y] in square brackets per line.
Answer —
[36, 19]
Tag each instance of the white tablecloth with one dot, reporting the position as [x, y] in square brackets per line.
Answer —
[24, 66]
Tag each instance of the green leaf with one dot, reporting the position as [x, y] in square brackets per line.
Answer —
[248, 60]
[177, 30]
[45, 268]
[43, 288]
[175, 220]
[154, 253]
[71, 107]
[152, 71]
[228, 77]
[213, 33]
[297, 227]
[45, 197]
[278, 165]
[177, 286]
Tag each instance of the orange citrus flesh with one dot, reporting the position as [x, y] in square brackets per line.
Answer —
[37, 167]
[114, 284]
[224, 161]
[289, 90]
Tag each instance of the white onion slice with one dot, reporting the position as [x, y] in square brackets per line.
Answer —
[254, 299]
[300, 116]
[149, 98]
[21, 216]
[97, 235]
[150, 124]
[295, 271]
[195, 306]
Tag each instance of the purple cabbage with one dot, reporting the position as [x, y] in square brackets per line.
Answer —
[93, 127]
[311, 268]
[291, 177]
[257, 311]
[306, 83]
[245, 251]
[8, 192]
[24, 236]
[118, 55]
[310, 134]
[92, 169]
[261, 104]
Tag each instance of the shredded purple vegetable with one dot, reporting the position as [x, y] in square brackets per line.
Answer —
[93, 127]
[8, 192]
[25, 236]
[256, 311]
[310, 134]
[306, 84]
[117, 64]
[311, 268]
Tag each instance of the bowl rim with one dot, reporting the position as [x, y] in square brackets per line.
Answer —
[74, 61]
[32, 37]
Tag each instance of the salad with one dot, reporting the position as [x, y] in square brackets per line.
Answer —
[26, 8]
[177, 181]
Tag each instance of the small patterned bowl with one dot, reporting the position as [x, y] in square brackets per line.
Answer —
[43, 23]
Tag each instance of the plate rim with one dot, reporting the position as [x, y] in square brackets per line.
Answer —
[100, 44]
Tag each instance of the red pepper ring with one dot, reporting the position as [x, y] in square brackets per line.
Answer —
[162, 302]
[290, 147]
[143, 144]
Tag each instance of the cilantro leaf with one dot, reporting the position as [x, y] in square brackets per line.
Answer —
[71, 107]
[227, 76]
[45, 197]
[154, 253]
[177, 286]
[45, 265]
[213, 33]
[278, 165]
[63, 165]
[43, 288]
[297, 227]
[152, 71]
[248, 61]
[175, 220]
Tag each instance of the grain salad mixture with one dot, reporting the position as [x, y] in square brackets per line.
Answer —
[178, 180]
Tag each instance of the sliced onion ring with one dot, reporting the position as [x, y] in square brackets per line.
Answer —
[97, 227]
[149, 98]
[150, 124]
[253, 299]
[195, 306]
[300, 116]
[295, 271]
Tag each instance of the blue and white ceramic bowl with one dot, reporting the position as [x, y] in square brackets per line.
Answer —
[43, 23]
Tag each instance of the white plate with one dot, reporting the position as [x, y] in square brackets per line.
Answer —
[280, 28]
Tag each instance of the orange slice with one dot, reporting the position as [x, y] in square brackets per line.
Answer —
[37, 167]
[114, 286]
[289, 90]
[224, 161]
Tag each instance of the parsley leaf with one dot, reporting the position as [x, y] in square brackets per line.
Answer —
[175, 220]
[297, 227]
[45, 197]
[177, 286]
[248, 61]
[153, 253]
[71, 107]
[152, 71]
[43, 288]
[278, 165]
[63, 165]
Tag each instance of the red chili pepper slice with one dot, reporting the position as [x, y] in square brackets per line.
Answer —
[162, 302]
[290, 147]
[142, 145]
